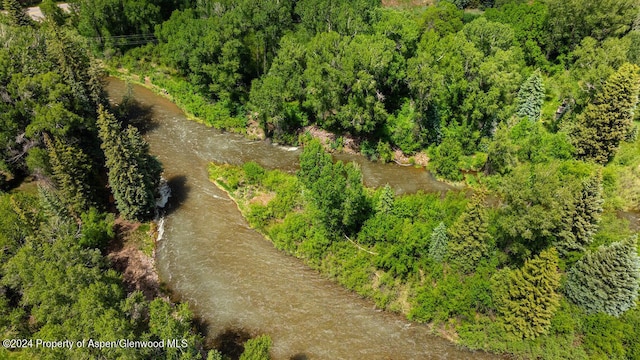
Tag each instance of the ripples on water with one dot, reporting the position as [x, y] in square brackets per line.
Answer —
[238, 283]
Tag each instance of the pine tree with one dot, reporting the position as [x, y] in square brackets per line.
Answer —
[527, 298]
[531, 97]
[385, 203]
[134, 175]
[582, 217]
[438, 244]
[469, 239]
[606, 122]
[71, 171]
[17, 15]
[606, 280]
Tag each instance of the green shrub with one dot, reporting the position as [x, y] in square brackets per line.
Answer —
[253, 172]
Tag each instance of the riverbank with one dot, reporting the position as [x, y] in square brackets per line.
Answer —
[195, 106]
[389, 261]
[201, 110]
[132, 253]
[272, 199]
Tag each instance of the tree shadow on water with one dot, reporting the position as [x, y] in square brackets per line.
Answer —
[131, 112]
[231, 342]
[179, 193]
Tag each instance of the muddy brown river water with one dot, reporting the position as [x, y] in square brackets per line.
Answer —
[236, 280]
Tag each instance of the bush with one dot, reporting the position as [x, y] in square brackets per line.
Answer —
[253, 172]
[97, 229]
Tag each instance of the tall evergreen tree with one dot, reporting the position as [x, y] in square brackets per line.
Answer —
[17, 15]
[606, 280]
[531, 97]
[438, 244]
[71, 169]
[527, 298]
[385, 204]
[606, 122]
[134, 175]
[581, 220]
[470, 240]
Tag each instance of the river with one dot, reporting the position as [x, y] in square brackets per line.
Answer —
[236, 281]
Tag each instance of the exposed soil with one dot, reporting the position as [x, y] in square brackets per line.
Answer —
[262, 199]
[254, 130]
[138, 269]
[350, 144]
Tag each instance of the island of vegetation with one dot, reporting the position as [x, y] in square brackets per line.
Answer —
[532, 104]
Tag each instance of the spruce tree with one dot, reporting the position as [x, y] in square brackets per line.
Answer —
[385, 203]
[17, 15]
[71, 169]
[606, 122]
[531, 97]
[606, 280]
[134, 175]
[582, 217]
[527, 298]
[470, 240]
[438, 244]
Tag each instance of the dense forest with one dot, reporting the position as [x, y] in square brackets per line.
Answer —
[530, 104]
[73, 170]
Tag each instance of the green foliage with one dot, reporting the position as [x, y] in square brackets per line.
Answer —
[527, 298]
[501, 154]
[97, 229]
[535, 198]
[385, 202]
[335, 190]
[604, 336]
[254, 173]
[17, 15]
[488, 36]
[71, 169]
[446, 157]
[469, 238]
[606, 280]
[605, 123]
[343, 17]
[52, 12]
[444, 18]
[170, 321]
[257, 348]
[583, 217]
[531, 98]
[438, 243]
[399, 26]
[405, 129]
[134, 175]
[529, 20]
[571, 21]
